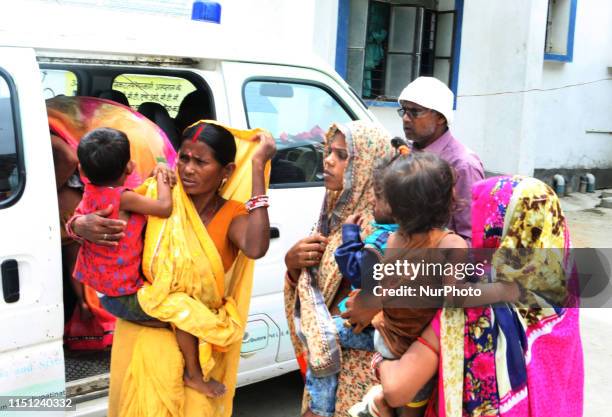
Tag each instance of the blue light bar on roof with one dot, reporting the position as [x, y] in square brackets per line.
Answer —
[206, 11]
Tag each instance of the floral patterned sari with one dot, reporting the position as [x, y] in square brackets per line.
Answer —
[317, 288]
[515, 360]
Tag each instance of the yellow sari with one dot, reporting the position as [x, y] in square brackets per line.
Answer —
[188, 289]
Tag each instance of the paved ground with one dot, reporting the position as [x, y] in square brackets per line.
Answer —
[591, 226]
[276, 397]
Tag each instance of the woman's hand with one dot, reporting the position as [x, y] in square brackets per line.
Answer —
[357, 314]
[96, 228]
[306, 253]
[266, 149]
[168, 175]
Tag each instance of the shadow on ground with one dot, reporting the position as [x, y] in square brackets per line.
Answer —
[276, 397]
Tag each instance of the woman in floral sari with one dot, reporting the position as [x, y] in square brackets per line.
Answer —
[507, 360]
[314, 285]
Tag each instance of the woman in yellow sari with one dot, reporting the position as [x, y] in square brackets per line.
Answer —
[200, 276]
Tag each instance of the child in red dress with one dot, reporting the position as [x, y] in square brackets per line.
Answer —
[104, 158]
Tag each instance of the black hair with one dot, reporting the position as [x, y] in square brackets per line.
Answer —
[195, 106]
[419, 190]
[103, 154]
[219, 139]
[378, 174]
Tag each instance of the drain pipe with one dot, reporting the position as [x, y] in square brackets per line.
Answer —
[559, 184]
[590, 178]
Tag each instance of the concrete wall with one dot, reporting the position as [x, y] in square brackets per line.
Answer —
[493, 116]
[389, 119]
[325, 27]
[523, 114]
[566, 114]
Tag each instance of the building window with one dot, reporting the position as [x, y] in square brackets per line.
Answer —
[391, 44]
[560, 26]
[297, 115]
[12, 172]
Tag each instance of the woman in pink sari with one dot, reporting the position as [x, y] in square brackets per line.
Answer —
[523, 359]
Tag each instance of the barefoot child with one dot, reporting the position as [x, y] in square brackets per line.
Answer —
[419, 189]
[104, 158]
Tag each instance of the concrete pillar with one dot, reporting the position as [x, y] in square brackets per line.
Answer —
[325, 30]
[501, 58]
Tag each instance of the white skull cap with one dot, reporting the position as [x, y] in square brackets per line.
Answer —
[431, 93]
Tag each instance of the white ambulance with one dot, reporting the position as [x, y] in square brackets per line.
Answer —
[76, 50]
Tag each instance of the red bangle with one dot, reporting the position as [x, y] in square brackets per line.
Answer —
[69, 230]
[428, 345]
[256, 202]
[375, 365]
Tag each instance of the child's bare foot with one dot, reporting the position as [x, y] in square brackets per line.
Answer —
[210, 388]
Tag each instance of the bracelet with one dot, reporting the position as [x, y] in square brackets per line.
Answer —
[290, 281]
[69, 230]
[428, 345]
[256, 202]
[375, 365]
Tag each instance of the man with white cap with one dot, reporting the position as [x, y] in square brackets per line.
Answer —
[427, 112]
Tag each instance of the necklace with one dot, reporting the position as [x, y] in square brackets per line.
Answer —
[207, 214]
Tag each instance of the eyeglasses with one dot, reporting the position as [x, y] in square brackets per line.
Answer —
[413, 113]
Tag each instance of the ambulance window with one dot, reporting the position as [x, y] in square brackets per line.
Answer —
[297, 115]
[162, 89]
[12, 174]
[58, 82]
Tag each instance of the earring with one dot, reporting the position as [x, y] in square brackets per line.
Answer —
[223, 181]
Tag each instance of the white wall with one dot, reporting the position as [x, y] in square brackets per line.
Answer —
[325, 30]
[389, 118]
[516, 130]
[564, 115]
[501, 55]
